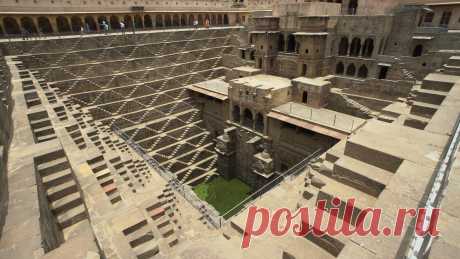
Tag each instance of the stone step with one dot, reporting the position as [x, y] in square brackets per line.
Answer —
[430, 96]
[362, 149]
[365, 177]
[56, 192]
[72, 216]
[53, 166]
[423, 109]
[147, 249]
[438, 82]
[57, 178]
[66, 203]
[454, 61]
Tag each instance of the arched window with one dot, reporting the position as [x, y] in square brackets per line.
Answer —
[339, 68]
[281, 42]
[351, 70]
[159, 21]
[225, 19]
[11, 25]
[291, 43]
[168, 21]
[138, 22]
[355, 47]
[368, 48]
[62, 24]
[28, 25]
[44, 25]
[248, 120]
[148, 23]
[343, 46]
[236, 114]
[362, 72]
[259, 123]
[418, 50]
[90, 24]
[76, 23]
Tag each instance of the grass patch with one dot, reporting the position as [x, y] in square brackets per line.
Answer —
[222, 194]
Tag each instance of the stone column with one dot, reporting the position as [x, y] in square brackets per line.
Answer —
[53, 23]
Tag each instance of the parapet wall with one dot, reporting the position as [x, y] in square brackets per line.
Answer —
[5, 135]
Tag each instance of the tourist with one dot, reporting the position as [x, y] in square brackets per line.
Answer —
[87, 28]
[195, 23]
[206, 23]
[82, 31]
[122, 28]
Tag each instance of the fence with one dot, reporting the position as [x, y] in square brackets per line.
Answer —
[209, 213]
[289, 174]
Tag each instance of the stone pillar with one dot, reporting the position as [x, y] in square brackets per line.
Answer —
[98, 26]
[53, 23]
[225, 148]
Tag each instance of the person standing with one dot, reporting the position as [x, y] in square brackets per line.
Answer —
[122, 28]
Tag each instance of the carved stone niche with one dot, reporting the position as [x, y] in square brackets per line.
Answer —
[224, 143]
[263, 164]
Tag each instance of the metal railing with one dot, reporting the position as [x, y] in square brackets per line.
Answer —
[418, 246]
[209, 213]
[258, 194]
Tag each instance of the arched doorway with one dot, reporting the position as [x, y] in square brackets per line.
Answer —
[236, 114]
[281, 42]
[128, 21]
[304, 70]
[90, 24]
[339, 68]
[252, 55]
[291, 43]
[248, 119]
[305, 97]
[200, 19]
[362, 72]
[191, 19]
[355, 47]
[11, 25]
[259, 123]
[343, 46]
[114, 22]
[353, 7]
[44, 25]
[351, 70]
[148, 21]
[159, 21]
[76, 23]
[213, 19]
[418, 50]
[168, 21]
[219, 19]
[176, 21]
[368, 48]
[62, 24]
[225, 19]
[183, 20]
[138, 22]
[28, 24]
